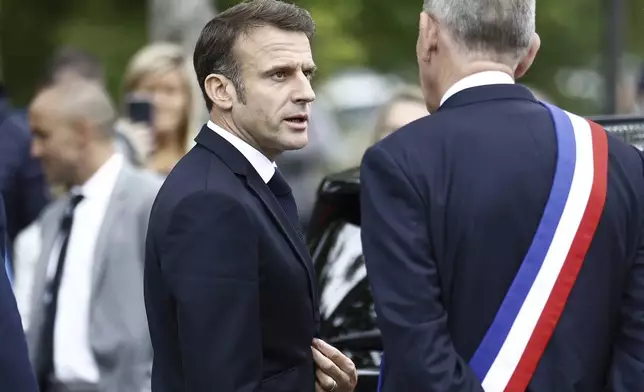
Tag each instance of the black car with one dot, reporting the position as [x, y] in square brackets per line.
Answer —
[348, 319]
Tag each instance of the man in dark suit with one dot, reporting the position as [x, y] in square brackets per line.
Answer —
[16, 373]
[22, 180]
[229, 286]
[450, 207]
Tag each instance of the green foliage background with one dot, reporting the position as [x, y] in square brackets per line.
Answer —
[380, 34]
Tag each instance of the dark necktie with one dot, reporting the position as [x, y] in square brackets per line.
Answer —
[284, 196]
[46, 367]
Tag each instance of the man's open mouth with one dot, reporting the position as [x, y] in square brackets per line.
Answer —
[300, 118]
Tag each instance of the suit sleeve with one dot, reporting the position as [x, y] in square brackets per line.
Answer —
[418, 351]
[32, 189]
[34, 192]
[210, 261]
[16, 373]
[627, 368]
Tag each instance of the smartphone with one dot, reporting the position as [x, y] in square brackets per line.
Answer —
[140, 110]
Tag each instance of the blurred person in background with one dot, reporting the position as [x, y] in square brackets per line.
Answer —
[71, 63]
[67, 63]
[22, 181]
[161, 77]
[16, 373]
[406, 105]
[639, 103]
[626, 93]
[88, 330]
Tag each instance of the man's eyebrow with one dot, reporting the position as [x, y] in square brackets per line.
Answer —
[289, 67]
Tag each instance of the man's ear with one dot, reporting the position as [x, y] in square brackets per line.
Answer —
[427, 36]
[528, 59]
[83, 130]
[220, 90]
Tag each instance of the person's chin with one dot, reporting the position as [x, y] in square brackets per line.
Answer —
[296, 141]
[54, 180]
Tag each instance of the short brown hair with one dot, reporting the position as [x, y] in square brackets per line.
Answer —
[214, 49]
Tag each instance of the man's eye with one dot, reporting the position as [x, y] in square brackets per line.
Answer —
[279, 75]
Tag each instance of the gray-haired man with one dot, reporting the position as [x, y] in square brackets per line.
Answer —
[503, 237]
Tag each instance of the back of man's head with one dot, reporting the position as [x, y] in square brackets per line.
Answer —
[71, 62]
[500, 30]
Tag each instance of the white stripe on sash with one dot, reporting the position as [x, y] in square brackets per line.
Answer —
[514, 346]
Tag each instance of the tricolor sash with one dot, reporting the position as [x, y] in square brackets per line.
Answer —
[513, 345]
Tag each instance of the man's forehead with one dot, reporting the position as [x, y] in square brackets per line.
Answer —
[46, 104]
[42, 102]
[267, 44]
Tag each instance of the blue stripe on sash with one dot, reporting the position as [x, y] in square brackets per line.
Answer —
[382, 365]
[493, 341]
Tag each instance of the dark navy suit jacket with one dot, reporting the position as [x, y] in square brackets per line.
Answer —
[16, 373]
[450, 204]
[229, 286]
[22, 180]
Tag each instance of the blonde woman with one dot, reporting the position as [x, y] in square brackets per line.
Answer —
[161, 74]
[406, 105]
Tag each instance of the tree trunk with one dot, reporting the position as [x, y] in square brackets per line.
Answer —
[177, 21]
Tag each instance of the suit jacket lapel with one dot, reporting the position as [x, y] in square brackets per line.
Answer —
[261, 190]
[239, 165]
[114, 209]
[49, 230]
[49, 234]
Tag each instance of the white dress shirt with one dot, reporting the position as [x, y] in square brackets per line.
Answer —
[476, 80]
[264, 167]
[73, 358]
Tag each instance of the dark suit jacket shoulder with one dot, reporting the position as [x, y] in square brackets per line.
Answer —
[22, 180]
[227, 284]
[450, 206]
[16, 373]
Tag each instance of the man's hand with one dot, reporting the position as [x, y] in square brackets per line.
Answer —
[335, 372]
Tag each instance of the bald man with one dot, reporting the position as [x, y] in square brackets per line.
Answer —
[88, 331]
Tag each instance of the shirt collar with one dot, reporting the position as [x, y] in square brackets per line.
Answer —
[101, 183]
[477, 79]
[264, 167]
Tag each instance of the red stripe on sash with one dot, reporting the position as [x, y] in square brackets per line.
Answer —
[570, 270]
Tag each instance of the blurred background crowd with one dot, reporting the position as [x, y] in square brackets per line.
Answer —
[140, 55]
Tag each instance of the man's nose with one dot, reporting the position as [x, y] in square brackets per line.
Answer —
[304, 92]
